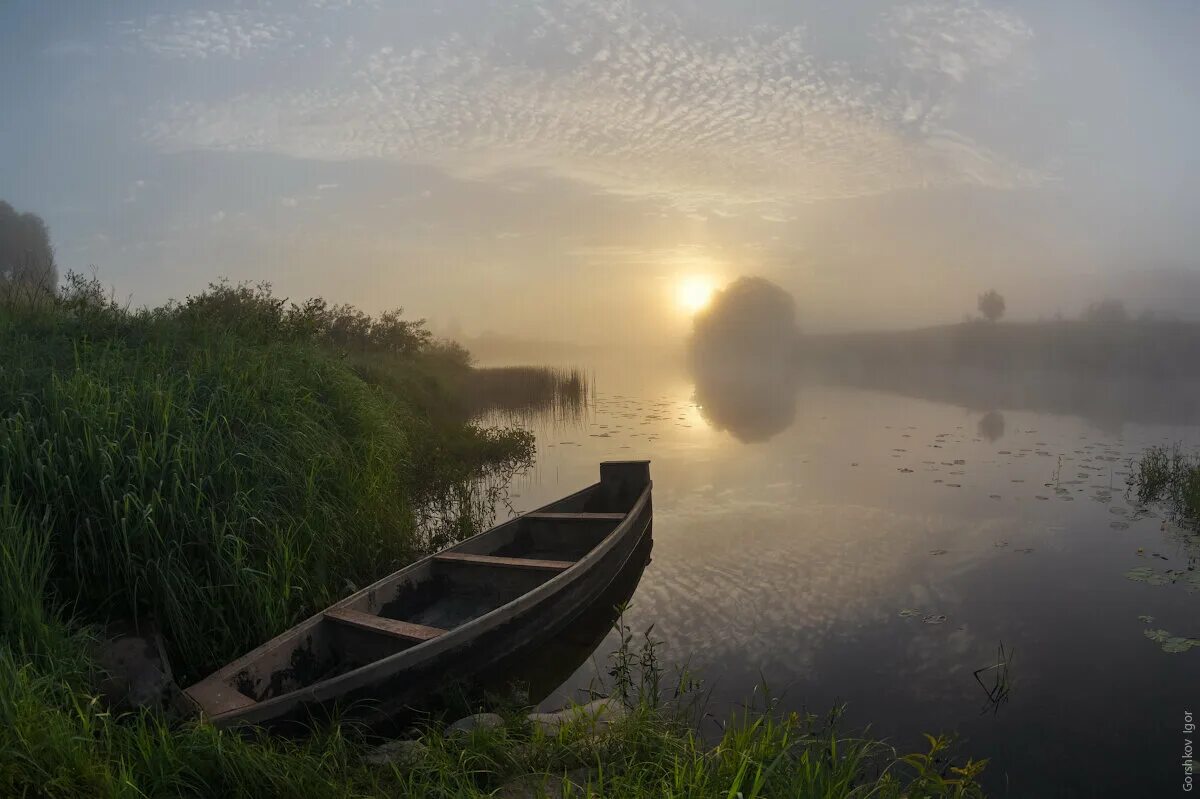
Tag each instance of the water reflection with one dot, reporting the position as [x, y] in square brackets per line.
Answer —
[536, 675]
[753, 403]
[792, 561]
[1108, 401]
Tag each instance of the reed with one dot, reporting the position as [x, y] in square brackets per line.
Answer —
[1169, 475]
[522, 393]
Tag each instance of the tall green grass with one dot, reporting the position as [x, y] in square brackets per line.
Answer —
[57, 741]
[223, 476]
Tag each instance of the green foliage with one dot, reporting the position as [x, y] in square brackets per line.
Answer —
[26, 256]
[188, 464]
[1171, 476]
[56, 740]
[253, 312]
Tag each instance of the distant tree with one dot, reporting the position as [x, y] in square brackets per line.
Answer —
[26, 256]
[1107, 311]
[750, 318]
[991, 305]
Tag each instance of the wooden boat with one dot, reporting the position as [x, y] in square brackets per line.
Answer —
[447, 618]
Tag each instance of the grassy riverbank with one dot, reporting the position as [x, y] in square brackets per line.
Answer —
[228, 464]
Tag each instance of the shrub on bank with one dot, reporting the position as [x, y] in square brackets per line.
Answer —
[225, 475]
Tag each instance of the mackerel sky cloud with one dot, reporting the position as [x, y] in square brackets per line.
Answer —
[625, 98]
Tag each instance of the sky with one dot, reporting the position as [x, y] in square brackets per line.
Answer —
[574, 170]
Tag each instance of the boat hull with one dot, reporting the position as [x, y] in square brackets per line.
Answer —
[396, 686]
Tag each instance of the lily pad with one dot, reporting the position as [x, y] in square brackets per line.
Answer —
[934, 618]
[1145, 619]
[1174, 645]
[1145, 574]
[908, 613]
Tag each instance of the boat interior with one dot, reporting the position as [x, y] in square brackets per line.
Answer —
[430, 598]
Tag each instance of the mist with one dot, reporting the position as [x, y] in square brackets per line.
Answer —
[883, 163]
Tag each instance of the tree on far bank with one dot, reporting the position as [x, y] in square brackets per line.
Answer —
[991, 305]
[26, 257]
[750, 319]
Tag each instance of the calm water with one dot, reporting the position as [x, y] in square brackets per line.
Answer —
[816, 544]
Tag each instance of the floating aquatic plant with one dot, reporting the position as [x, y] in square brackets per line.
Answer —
[1150, 576]
[1171, 643]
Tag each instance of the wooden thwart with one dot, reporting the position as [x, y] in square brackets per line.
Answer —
[515, 563]
[382, 624]
[576, 517]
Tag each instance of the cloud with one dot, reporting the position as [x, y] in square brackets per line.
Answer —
[210, 34]
[958, 40]
[630, 101]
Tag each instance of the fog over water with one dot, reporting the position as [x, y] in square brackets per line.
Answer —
[876, 548]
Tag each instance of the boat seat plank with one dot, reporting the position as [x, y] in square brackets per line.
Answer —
[495, 560]
[576, 517]
[215, 697]
[382, 624]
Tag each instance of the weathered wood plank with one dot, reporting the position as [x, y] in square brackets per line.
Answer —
[513, 563]
[215, 697]
[576, 517]
[382, 624]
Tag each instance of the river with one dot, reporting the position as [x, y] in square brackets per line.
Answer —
[866, 548]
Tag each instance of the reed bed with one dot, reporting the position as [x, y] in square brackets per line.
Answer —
[1168, 474]
[520, 394]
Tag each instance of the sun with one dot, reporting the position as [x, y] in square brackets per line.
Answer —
[695, 293]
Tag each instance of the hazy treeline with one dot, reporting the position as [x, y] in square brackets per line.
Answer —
[26, 256]
[748, 361]
[1146, 349]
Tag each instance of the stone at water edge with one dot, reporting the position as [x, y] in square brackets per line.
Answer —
[405, 754]
[601, 712]
[480, 721]
[134, 661]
